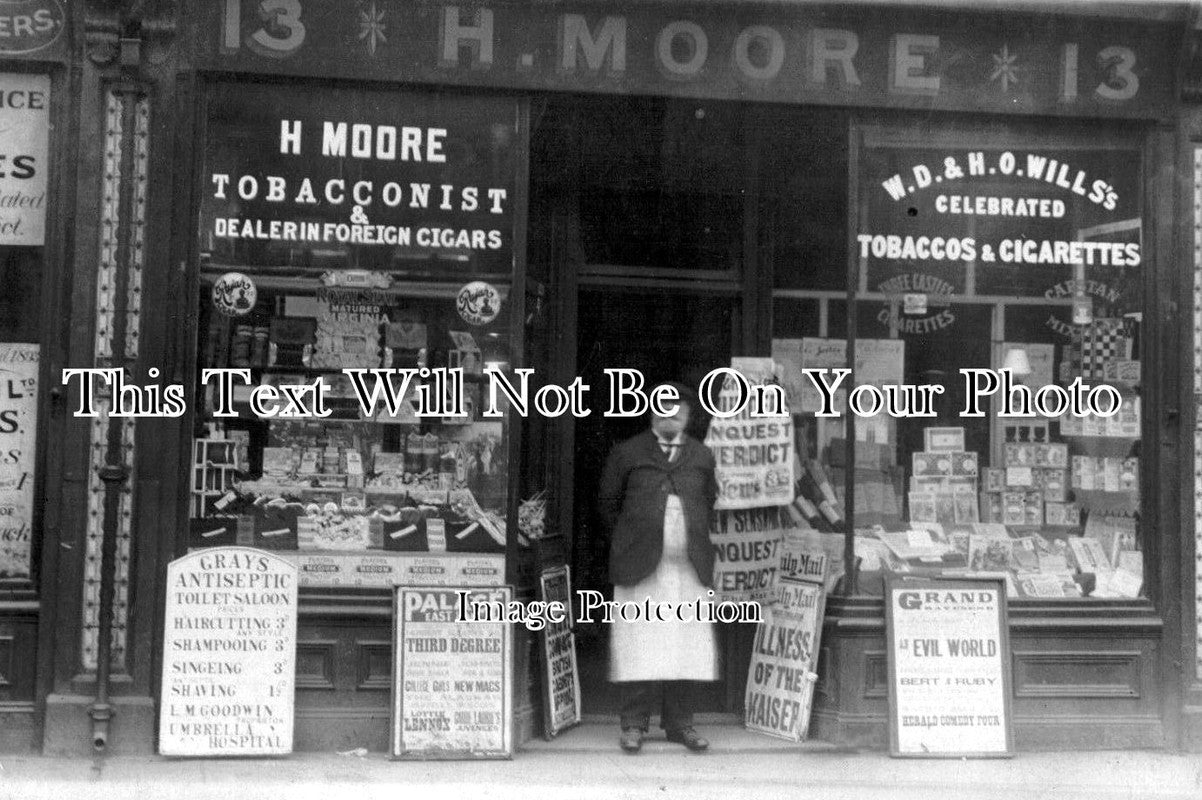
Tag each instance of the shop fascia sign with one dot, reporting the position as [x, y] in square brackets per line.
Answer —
[763, 54]
[30, 26]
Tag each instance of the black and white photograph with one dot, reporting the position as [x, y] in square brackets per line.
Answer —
[600, 398]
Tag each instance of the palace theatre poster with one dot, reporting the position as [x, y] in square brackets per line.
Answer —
[297, 186]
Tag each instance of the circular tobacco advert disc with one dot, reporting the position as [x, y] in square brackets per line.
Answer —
[478, 303]
[234, 294]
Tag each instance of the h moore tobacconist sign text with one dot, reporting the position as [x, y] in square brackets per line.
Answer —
[229, 654]
[294, 174]
[949, 678]
[952, 60]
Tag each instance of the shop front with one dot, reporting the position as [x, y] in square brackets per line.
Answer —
[910, 193]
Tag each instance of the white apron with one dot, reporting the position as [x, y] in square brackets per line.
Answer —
[672, 649]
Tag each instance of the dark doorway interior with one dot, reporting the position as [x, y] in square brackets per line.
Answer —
[668, 334]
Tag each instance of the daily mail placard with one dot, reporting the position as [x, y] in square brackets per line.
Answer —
[949, 668]
[229, 654]
[780, 680]
[451, 693]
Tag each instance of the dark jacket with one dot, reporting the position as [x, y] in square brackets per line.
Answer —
[634, 489]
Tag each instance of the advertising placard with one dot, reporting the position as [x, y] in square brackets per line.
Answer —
[25, 121]
[229, 654]
[451, 694]
[949, 668]
[781, 677]
[561, 678]
[753, 454]
[746, 550]
[18, 444]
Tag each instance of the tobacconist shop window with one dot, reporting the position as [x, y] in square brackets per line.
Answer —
[984, 251]
[354, 228]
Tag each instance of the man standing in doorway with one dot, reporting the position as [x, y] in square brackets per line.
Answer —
[656, 497]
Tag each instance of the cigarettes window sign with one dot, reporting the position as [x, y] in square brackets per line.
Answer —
[1019, 219]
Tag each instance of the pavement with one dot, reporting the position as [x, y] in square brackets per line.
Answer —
[586, 763]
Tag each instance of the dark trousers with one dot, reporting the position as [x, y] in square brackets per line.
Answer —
[639, 699]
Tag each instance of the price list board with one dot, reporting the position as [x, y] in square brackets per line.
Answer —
[451, 684]
[229, 654]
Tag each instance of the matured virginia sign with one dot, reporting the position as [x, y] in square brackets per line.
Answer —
[781, 677]
[561, 678]
[451, 681]
[949, 667]
[229, 654]
[769, 52]
[18, 451]
[24, 156]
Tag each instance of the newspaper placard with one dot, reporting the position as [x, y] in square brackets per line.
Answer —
[229, 654]
[561, 678]
[746, 551]
[18, 443]
[780, 680]
[451, 678]
[949, 668]
[753, 455]
[25, 121]
[878, 362]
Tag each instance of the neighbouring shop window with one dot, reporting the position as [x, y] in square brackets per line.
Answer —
[988, 249]
[25, 120]
[349, 228]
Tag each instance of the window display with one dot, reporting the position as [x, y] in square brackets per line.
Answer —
[988, 250]
[374, 233]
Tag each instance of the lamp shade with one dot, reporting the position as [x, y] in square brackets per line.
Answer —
[1016, 361]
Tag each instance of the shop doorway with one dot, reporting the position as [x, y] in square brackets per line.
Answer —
[668, 333]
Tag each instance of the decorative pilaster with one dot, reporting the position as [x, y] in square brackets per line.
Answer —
[121, 259]
[1198, 417]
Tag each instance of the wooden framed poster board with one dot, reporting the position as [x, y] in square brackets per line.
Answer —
[451, 674]
[561, 678]
[949, 668]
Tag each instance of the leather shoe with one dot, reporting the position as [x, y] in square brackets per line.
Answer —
[689, 738]
[631, 740]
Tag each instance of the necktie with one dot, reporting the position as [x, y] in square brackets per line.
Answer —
[670, 449]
